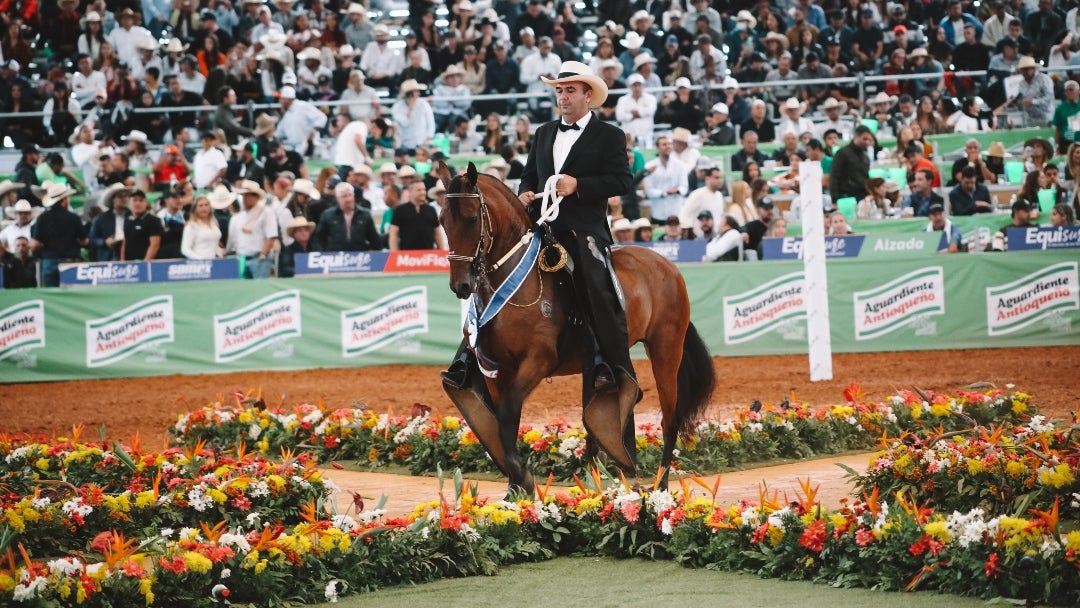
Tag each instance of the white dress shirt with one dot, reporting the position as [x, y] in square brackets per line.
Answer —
[359, 104]
[381, 60]
[700, 200]
[83, 86]
[564, 140]
[641, 127]
[663, 177]
[125, 42]
[722, 244]
[249, 230]
[300, 120]
[350, 145]
[206, 166]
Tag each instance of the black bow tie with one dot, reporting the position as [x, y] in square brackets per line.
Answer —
[568, 127]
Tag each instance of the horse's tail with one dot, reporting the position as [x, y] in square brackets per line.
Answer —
[697, 378]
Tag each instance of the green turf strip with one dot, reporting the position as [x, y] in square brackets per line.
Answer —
[607, 582]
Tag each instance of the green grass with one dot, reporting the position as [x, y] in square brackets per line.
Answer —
[605, 582]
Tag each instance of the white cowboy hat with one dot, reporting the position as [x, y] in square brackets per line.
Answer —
[491, 15]
[633, 41]
[148, 44]
[381, 31]
[407, 171]
[682, 82]
[434, 191]
[108, 193]
[642, 59]
[465, 5]
[621, 224]
[263, 124]
[642, 14]
[793, 103]
[411, 85]
[635, 78]
[93, 16]
[575, 71]
[720, 108]
[610, 28]
[272, 39]
[9, 186]
[496, 163]
[248, 186]
[883, 97]
[831, 103]
[309, 53]
[453, 70]
[298, 222]
[387, 168]
[346, 51]
[136, 135]
[365, 170]
[777, 37]
[997, 149]
[22, 206]
[355, 8]
[221, 197]
[730, 83]
[1027, 61]
[681, 134]
[287, 93]
[641, 222]
[56, 192]
[748, 18]
[175, 46]
[306, 186]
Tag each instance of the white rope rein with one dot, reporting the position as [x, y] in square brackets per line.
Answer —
[549, 201]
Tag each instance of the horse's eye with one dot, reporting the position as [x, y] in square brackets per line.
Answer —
[472, 219]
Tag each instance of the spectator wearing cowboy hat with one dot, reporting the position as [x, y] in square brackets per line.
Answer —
[380, 63]
[454, 99]
[300, 231]
[1034, 93]
[58, 234]
[414, 116]
[23, 214]
[301, 122]
[359, 31]
[107, 229]
[253, 231]
[360, 101]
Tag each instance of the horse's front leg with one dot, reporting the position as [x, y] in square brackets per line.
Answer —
[508, 410]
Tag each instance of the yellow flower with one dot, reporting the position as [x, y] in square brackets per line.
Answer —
[837, 520]
[259, 567]
[146, 586]
[1019, 403]
[1059, 477]
[6, 582]
[1015, 468]
[916, 411]
[592, 503]
[1072, 541]
[245, 417]
[776, 535]
[217, 495]
[699, 507]
[940, 410]
[197, 562]
[276, 482]
[15, 520]
[144, 500]
[938, 530]
[65, 589]
[373, 455]
[531, 436]
[42, 463]
[263, 445]
[975, 466]
[450, 423]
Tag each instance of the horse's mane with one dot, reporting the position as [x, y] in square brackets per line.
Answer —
[497, 195]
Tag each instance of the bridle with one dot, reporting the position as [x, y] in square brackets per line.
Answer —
[478, 260]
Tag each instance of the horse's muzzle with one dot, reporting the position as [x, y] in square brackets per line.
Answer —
[462, 289]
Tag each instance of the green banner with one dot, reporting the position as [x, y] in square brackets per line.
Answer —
[885, 303]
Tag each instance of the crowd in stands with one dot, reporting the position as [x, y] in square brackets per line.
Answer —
[178, 122]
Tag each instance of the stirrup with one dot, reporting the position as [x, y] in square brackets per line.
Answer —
[457, 375]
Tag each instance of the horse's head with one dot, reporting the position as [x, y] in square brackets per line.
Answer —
[467, 223]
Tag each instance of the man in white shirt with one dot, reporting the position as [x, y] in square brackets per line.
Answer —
[541, 63]
[706, 199]
[452, 99]
[300, 121]
[705, 49]
[997, 26]
[252, 231]
[350, 146]
[727, 245]
[360, 101]
[666, 183]
[127, 36]
[381, 63]
[833, 111]
[86, 80]
[682, 150]
[147, 57]
[635, 111]
[20, 228]
[209, 164]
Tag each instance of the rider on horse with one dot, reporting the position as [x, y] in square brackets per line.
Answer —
[589, 158]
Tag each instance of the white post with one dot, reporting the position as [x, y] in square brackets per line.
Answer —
[813, 254]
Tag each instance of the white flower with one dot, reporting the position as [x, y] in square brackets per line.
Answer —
[569, 445]
[331, 592]
[166, 532]
[660, 501]
[226, 573]
[345, 523]
[258, 489]
[187, 533]
[468, 533]
[370, 515]
[67, 566]
[253, 519]
[234, 540]
[665, 526]
[17, 454]
[41, 503]
[776, 518]
[254, 430]
[199, 500]
[77, 506]
[29, 590]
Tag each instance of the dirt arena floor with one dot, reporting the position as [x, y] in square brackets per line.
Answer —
[149, 405]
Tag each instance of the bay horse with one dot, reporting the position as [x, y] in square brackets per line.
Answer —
[532, 337]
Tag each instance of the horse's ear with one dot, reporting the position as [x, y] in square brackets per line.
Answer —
[470, 174]
[442, 171]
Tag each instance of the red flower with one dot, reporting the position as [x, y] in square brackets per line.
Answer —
[759, 534]
[814, 536]
[992, 566]
[176, 564]
[242, 503]
[864, 537]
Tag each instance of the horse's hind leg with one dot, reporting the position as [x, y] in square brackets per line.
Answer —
[665, 355]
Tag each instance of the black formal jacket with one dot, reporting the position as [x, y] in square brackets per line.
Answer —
[598, 161]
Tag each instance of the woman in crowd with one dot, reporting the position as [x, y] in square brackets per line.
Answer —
[210, 56]
[202, 235]
[1062, 215]
[807, 44]
[14, 46]
[92, 37]
[475, 71]
[332, 35]
[903, 137]
[927, 119]
[741, 206]
[1072, 164]
[1035, 181]
[20, 131]
[428, 35]
[759, 189]
[494, 139]
[874, 205]
[643, 230]
[107, 62]
[750, 172]
[971, 118]
[522, 135]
